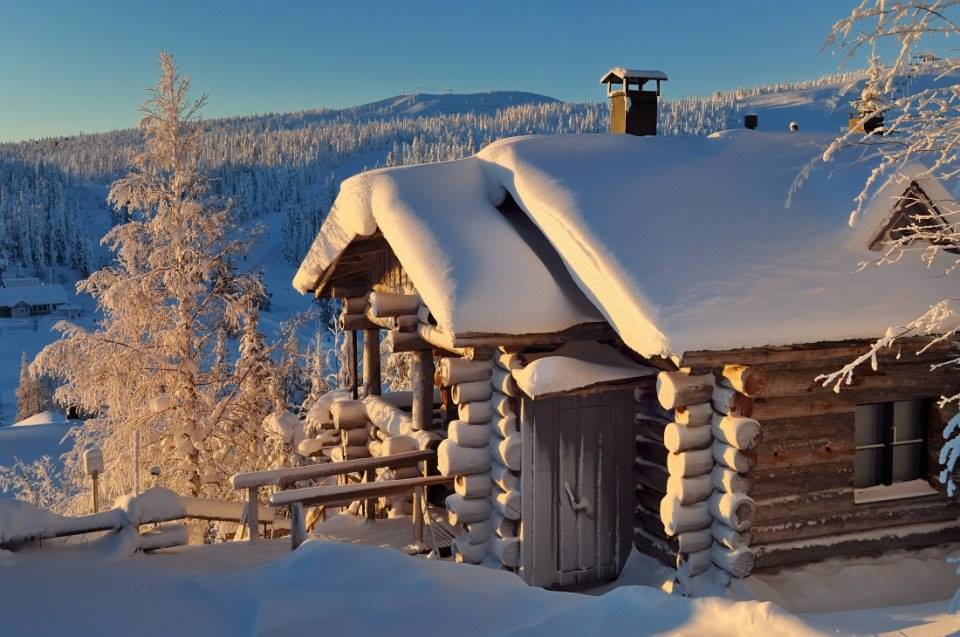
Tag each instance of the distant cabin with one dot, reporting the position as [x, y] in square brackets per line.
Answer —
[22, 300]
[625, 333]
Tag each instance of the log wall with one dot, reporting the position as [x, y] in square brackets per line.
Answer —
[802, 473]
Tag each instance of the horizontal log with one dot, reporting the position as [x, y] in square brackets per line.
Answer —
[405, 323]
[477, 485]
[739, 461]
[507, 503]
[863, 517]
[507, 550]
[687, 464]
[504, 478]
[506, 426]
[730, 538]
[356, 305]
[774, 556]
[466, 553]
[503, 527]
[650, 522]
[452, 459]
[287, 476]
[803, 506]
[680, 518]
[749, 381]
[461, 510]
[739, 562]
[776, 430]
[454, 371]
[738, 432]
[504, 383]
[784, 481]
[649, 428]
[736, 510]
[504, 405]
[647, 498]
[651, 475]
[397, 342]
[597, 331]
[349, 414]
[655, 547]
[348, 322]
[389, 304]
[479, 532]
[350, 437]
[509, 361]
[466, 434]
[651, 451]
[507, 451]
[694, 415]
[478, 413]
[771, 357]
[677, 438]
[729, 402]
[675, 389]
[690, 490]
[727, 480]
[692, 564]
[693, 542]
[471, 392]
[804, 452]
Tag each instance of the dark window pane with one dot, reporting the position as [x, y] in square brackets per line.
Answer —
[868, 421]
[909, 420]
[867, 468]
[908, 462]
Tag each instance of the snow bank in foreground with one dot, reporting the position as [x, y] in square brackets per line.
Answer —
[346, 589]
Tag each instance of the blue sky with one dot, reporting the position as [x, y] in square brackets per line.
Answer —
[71, 66]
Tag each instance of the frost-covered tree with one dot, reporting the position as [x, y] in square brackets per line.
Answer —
[157, 362]
[34, 393]
[920, 133]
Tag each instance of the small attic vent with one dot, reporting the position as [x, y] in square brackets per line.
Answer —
[633, 110]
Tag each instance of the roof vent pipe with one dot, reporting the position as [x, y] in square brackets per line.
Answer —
[751, 121]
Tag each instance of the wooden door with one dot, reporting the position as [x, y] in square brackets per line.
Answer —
[577, 488]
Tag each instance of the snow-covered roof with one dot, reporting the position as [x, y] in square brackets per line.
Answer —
[471, 267]
[52, 294]
[622, 73]
[682, 243]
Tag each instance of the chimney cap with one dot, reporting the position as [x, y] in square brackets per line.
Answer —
[619, 74]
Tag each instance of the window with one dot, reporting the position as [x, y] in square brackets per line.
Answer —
[891, 446]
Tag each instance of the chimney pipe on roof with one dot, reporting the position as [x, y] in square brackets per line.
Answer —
[751, 121]
[632, 110]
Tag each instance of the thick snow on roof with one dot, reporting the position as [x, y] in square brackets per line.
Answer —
[682, 243]
[52, 294]
[686, 243]
[470, 266]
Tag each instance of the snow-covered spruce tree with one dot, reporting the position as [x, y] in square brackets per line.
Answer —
[157, 362]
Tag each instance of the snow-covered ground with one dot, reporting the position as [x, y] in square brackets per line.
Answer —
[96, 588]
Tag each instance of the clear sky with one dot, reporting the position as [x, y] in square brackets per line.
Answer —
[68, 66]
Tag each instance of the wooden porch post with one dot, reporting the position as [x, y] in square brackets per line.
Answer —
[422, 378]
[352, 353]
[253, 512]
[371, 362]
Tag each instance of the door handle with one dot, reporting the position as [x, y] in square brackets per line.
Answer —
[582, 504]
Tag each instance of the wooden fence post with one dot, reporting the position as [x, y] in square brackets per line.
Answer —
[298, 529]
[253, 512]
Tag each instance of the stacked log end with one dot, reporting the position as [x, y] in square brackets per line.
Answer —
[684, 510]
[735, 436]
[465, 456]
[505, 450]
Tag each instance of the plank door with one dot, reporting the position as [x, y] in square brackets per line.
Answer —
[577, 488]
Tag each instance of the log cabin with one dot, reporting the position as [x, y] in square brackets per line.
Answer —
[627, 332]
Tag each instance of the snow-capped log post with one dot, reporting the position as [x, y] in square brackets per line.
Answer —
[683, 509]
[465, 455]
[371, 362]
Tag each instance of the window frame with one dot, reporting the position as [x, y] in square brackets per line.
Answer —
[889, 443]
